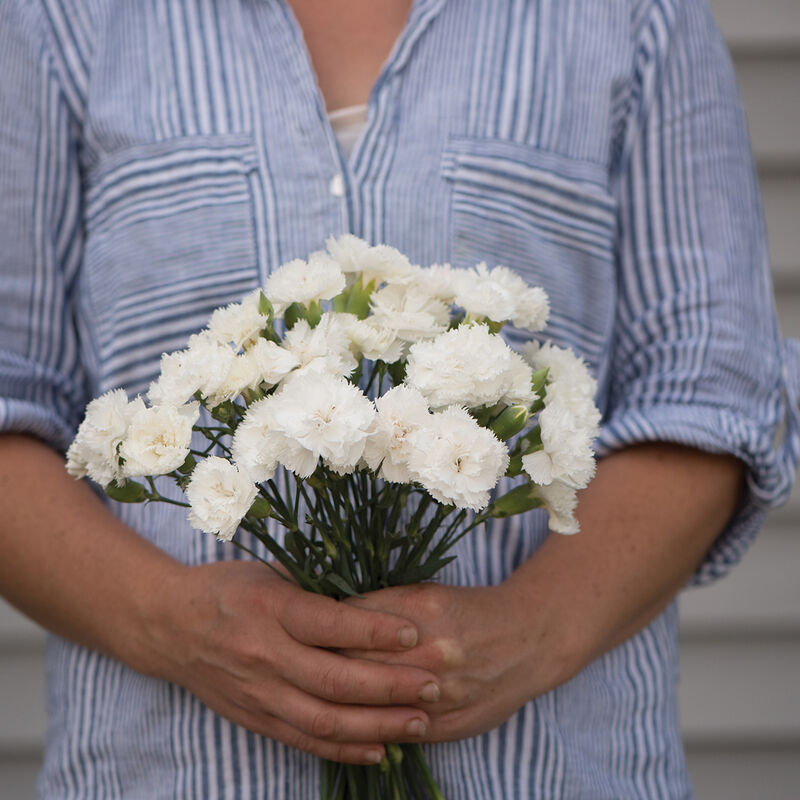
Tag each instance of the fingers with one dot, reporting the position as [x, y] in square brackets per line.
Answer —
[332, 722]
[343, 680]
[322, 622]
[344, 752]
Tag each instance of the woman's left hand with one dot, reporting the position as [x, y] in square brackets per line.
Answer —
[489, 651]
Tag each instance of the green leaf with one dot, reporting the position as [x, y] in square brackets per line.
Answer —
[260, 509]
[397, 371]
[129, 492]
[340, 302]
[539, 379]
[292, 314]
[338, 582]
[264, 306]
[313, 314]
[358, 301]
[188, 465]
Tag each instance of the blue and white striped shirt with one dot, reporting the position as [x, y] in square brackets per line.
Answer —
[159, 158]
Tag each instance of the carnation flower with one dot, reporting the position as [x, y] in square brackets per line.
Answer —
[468, 366]
[560, 501]
[256, 444]
[456, 460]
[299, 282]
[499, 295]
[202, 367]
[158, 439]
[220, 495]
[381, 264]
[94, 451]
[239, 324]
[264, 363]
[439, 281]
[327, 346]
[320, 415]
[401, 411]
[409, 312]
[369, 339]
[568, 422]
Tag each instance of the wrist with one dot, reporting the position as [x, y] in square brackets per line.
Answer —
[149, 644]
[550, 638]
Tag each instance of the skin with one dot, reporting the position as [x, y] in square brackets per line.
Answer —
[339, 679]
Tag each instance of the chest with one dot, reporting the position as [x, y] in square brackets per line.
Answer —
[210, 160]
[347, 43]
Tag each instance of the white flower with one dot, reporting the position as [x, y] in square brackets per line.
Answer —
[456, 460]
[158, 439]
[467, 366]
[439, 281]
[401, 411]
[369, 339]
[499, 295]
[264, 363]
[568, 422]
[239, 323]
[94, 451]
[320, 415]
[410, 312]
[561, 501]
[381, 264]
[327, 346]
[203, 366]
[220, 495]
[304, 282]
[256, 445]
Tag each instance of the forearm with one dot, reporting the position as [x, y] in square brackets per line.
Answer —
[647, 519]
[68, 562]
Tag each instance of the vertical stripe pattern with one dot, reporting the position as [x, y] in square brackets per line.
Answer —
[158, 158]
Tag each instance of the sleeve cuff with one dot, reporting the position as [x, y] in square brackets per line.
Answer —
[770, 452]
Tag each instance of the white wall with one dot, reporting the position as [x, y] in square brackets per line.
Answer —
[740, 688]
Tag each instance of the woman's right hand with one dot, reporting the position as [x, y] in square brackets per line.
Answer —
[260, 651]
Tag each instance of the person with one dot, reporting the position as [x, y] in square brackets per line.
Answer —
[157, 160]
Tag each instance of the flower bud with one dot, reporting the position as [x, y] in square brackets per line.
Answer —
[128, 492]
[510, 422]
[518, 500]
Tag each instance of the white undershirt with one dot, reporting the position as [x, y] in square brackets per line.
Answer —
[347, 124]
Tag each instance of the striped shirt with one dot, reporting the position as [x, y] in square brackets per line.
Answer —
[159, 158]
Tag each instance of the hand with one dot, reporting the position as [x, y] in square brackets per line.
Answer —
[252, 646]
[490, 654]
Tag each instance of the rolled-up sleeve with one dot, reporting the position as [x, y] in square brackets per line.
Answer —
[698, 359]
[42, 381]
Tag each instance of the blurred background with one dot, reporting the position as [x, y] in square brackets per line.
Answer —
[740, 663]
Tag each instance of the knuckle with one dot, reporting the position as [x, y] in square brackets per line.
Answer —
[331, 683]
[324, 725]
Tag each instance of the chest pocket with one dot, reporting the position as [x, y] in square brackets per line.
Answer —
[170, 236]
[549, 218]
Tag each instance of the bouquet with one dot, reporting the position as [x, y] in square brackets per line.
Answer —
[367, 409]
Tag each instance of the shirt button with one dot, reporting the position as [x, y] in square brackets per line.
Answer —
[337, 185]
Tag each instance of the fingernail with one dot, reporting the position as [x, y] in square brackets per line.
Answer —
[373, 757]
[416, 727]
[429, 693]
[407, 637]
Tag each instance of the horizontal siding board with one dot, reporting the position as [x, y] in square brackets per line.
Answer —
[18, 776]
[740, 692]
[22, 721]
[769, 87]
[761, 596]
[749, 773]
[782, 209]
[759, 26]
[17, 631]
